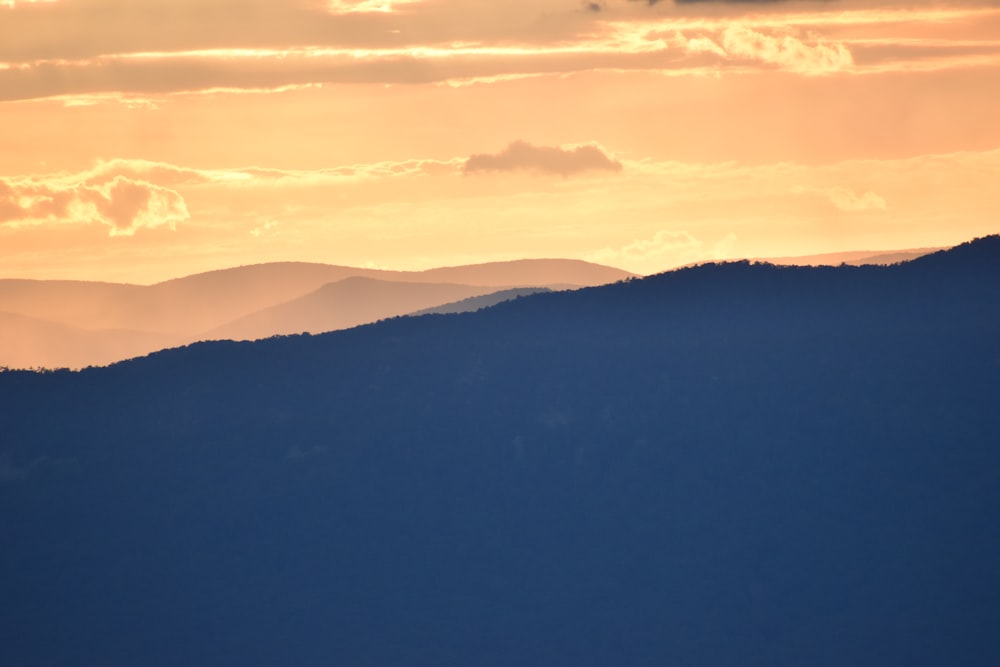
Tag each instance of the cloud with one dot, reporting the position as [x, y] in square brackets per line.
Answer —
[695, 2]
[158, 48]
[267, 227]
[366, 6]
[789, 53]
[701, 45]
[725, 248]
[85, 29]
[692, 2]
[663, 244]
[123, 204]
[847, 200]
[786, 51]
[520, 155]
[126, 205]
[154, 172]
[665, 250]
[11, 4]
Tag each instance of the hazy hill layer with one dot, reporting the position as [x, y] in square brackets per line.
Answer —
[203, 301]
[87, 305]
[345, 304]
[528, 273]
[27, 342]
[726, 465]
[196, 307]
[853, 258]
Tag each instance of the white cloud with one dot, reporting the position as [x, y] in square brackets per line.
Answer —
[366, 6]
[126, 205]
[847, 200]
[162, 47]
[666, 249]
[123, 204]
[267, 227]
[11, 4]
[787, 52]
[701, 45]
[725, 248]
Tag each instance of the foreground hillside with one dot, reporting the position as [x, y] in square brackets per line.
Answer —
[726, 465]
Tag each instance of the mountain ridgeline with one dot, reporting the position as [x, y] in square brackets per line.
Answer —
[726, 465]
[62, 323]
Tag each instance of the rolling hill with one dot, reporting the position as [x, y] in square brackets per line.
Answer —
[27, 342]
[726, 465]
[344, 304]
[853, 258]
[200, 306]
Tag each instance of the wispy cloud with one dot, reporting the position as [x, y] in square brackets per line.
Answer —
[647, 217]
[169, 175]
[127, 195]
[847, 200]
[665, 248]
[11, 4]
[786, 51]
[367, 6]
[271, 45]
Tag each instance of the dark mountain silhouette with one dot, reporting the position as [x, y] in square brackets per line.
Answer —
[193, 308]
[734, 464]
[479, 302]
[344, 304]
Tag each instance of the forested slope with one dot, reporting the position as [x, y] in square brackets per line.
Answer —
[725, 465]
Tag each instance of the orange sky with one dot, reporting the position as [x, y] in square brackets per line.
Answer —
[144, 140]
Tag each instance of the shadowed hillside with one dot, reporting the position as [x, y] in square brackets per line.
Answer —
[725, 465]
[480, 302]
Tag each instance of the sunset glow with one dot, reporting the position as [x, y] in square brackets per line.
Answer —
[142, 141]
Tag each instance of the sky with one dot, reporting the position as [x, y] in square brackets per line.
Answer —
[141, 141]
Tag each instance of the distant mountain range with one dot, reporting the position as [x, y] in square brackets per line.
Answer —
[345, 304]
[52, 324]
[74, 324]
[725, 465]
[853, 258]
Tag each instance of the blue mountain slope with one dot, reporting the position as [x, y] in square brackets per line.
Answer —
[726, 465]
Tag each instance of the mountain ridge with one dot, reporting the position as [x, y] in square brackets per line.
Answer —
[190, 308]
[723, 465]
[342, 304]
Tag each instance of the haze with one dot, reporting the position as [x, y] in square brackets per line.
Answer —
[144, 141]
